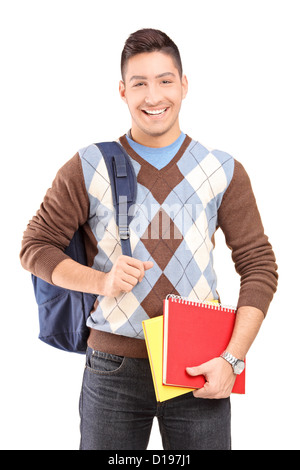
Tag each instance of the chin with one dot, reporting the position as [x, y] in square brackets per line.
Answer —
[154, 131]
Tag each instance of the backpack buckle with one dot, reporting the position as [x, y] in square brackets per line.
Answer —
[124, 232]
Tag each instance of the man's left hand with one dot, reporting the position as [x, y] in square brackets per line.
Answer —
[219, 377]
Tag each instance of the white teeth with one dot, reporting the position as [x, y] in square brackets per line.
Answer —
[154, 112]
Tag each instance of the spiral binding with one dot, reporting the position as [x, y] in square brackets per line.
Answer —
[206, 303]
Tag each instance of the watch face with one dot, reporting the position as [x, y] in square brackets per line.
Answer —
[239, 367]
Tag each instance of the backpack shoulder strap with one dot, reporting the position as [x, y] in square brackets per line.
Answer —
[124, 187]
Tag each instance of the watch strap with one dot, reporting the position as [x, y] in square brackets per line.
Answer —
[229, 358]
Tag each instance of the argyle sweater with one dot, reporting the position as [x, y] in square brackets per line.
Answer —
[177, 212]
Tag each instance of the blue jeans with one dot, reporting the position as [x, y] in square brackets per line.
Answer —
[118, 404]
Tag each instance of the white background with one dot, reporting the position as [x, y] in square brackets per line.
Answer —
[59, 93]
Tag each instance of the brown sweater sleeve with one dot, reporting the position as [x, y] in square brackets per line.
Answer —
[64, 209]
[252, 253]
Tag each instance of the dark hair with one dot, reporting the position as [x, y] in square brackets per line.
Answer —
[149, 40]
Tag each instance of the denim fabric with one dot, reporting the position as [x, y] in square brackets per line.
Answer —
[118, 404]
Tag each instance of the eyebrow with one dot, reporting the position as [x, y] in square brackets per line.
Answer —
[161, 75]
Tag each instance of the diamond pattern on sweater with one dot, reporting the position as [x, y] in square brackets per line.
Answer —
[118, 311]
[153, 303]
[174, 224]
[162, 238]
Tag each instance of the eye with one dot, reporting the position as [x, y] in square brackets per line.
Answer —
[166, 82]
[136, 85]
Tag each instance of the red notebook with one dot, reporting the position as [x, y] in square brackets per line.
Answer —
[195, 333]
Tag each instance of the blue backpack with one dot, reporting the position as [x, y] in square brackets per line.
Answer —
[62, 312]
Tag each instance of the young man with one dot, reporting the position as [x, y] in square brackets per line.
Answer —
[185, 192]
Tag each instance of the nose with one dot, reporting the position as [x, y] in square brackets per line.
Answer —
[153, 95]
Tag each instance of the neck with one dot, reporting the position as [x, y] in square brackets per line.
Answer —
[155, 141]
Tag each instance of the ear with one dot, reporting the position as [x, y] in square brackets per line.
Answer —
[122, 91]
[185, 86]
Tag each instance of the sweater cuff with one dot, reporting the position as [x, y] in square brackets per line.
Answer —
[47, 261]
[257, 298]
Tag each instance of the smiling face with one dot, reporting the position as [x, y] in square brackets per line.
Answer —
[153, 90]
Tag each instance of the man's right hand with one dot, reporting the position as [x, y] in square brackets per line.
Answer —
[124, 275]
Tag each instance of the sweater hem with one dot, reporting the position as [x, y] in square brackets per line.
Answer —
[116, 344]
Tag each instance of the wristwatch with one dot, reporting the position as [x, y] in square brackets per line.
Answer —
[237, 364]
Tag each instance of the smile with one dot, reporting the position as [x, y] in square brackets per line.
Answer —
[155, 112]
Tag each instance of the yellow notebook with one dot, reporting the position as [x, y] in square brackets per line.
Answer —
[153, 329]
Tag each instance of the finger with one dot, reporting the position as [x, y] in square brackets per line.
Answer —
[131, 271]
[125, 286]
[148, 265]
[202, 393]
[198, 370]
[145, 265]
[131, 280]
[132, 266]
[141, 266]
[136, 264]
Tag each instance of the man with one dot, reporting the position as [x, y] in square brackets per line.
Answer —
[185, 192]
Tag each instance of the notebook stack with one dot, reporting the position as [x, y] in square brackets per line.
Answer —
[186, 335]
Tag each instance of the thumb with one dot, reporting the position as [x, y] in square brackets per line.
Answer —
[198, 370]
[148, 265]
